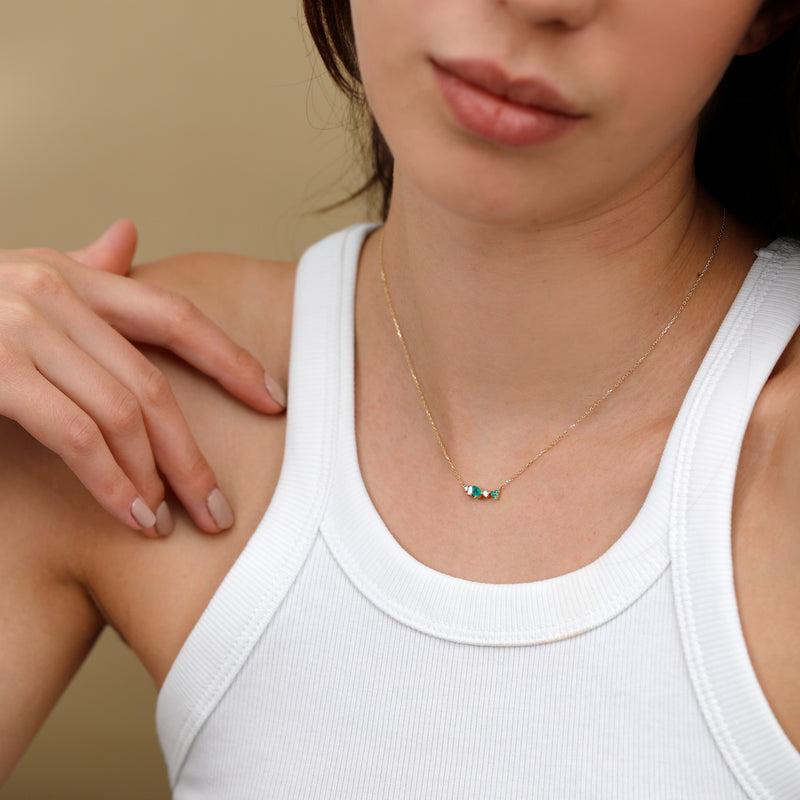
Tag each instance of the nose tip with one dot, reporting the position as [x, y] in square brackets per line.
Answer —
[571, 14]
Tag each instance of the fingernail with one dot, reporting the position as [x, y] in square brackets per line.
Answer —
[275, 390]
[142, 514]
[220, 509]
[164, 523]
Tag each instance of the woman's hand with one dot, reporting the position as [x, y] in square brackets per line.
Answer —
[69, 376]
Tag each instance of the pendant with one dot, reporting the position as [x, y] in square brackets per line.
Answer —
[482, 494]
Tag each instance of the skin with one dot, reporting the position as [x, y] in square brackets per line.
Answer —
[512, 238]
[73, 382]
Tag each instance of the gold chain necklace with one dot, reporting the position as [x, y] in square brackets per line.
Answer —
[484, 494]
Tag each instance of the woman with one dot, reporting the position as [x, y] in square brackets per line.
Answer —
[575, 609]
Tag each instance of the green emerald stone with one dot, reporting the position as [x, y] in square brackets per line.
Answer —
[495, 494]
[476, 492]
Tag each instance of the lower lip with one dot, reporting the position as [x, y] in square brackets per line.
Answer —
[499, 120]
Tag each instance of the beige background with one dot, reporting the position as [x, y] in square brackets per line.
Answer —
[208, 124]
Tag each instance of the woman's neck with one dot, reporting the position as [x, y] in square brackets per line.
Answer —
[509, 325]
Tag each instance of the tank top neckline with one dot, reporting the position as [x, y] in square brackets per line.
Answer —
[495, 613]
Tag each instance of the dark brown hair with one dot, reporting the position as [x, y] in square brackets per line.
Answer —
[748, 152]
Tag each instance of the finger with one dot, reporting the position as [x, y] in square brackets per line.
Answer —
[61, 426]
[112, 251]
[181, 460]
[150, 315]
[135, 408]
[113, 408]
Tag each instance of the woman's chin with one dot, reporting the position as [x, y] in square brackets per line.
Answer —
[487, 198]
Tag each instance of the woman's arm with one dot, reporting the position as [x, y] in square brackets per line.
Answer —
[48, 622]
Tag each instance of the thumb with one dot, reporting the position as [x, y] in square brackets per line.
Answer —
[112, 251]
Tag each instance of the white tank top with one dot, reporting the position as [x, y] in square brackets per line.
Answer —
[332, 664]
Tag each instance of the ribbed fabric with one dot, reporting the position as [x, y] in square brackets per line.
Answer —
[748, 734]
[330, 663]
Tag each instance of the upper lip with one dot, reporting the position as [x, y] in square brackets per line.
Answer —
[529, 91]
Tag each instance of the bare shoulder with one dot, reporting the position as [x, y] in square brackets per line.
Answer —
[766, 539]
[250, 299]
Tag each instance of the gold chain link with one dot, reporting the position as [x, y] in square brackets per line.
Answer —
[495, 493]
